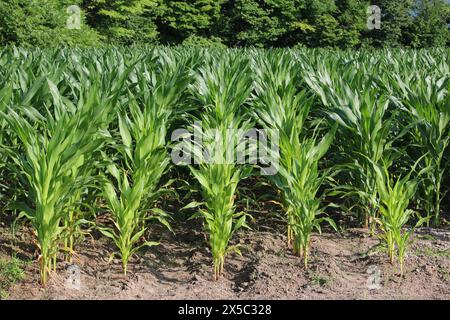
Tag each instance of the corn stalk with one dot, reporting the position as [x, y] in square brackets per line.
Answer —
[281, 106]
[395, 196]
[143, 128]
[222, 87]
[354, 101]
[426, 102]
[57, 145]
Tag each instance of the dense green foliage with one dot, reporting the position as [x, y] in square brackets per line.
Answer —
[260, 23]
[41, 23]
[88, 131]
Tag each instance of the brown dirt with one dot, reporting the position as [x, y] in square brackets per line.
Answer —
[180, 268]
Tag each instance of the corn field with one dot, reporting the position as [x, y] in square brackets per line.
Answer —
[85, 144]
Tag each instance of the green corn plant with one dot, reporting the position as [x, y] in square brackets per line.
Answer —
[5, 97]
[145, 162]
[218, 181]
[395, 196]
[128, 218]
[281, 106]
[299, 179]
[71, 73]
[11, 93]
[57, 138]
[426, 102]
[75, 221]
[355, 102]
[63, 146]
[143, 130]
[222, 87]
[103, 67]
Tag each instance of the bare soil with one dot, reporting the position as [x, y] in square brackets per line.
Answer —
[341, 267]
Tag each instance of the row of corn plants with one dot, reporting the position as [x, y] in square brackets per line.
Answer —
[88, 132]
[220, 90]
[281, 106]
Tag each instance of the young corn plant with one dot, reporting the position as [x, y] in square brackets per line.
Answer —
[57, 116]
[428, 106]
[280, 106]
[395, 196]
[143, 129]
[56, 145]
[353, 100]
[75, 221]
[300, 179]
[9, 94]
[5, 97]
[222, 87]
[108, 71]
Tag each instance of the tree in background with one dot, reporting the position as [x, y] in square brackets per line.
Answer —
[41, 23]
[397, 21]
[319, 14]
[191, 21]
[352, 18]
[280, 23]
[235, 23]
[263, 23]
[430, 25]
[416, 23]
[124, 22]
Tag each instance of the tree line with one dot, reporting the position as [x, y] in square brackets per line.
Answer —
[233, 23]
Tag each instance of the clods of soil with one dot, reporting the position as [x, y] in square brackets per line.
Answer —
[342, 266]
